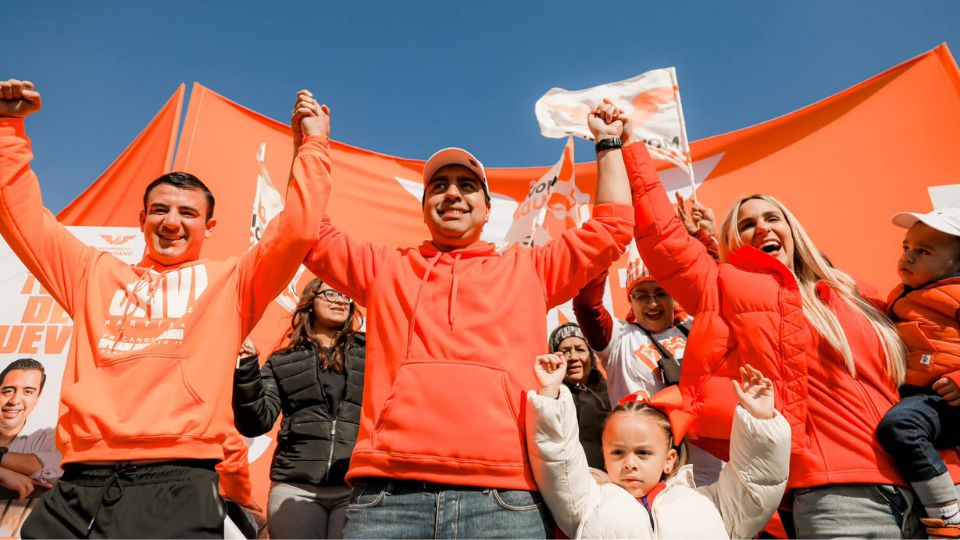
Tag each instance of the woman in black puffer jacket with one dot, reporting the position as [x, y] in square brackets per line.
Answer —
[317, 382]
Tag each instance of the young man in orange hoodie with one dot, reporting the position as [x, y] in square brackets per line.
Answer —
[452, 327]
[145, 397]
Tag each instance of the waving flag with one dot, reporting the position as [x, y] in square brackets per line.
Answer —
[553, 204]
[267, 203]
[651, 99]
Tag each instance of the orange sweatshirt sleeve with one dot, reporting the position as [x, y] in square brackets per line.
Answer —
[346, 264]
[594, 319]
[567, 263]
[681, 264]
[48, 250]
[266, 268]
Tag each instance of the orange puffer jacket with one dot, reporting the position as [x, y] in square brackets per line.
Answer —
[927, 320]
[748, 310]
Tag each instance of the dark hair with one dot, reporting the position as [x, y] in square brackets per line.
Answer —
[26, 364]
[185, 181]
[302, 319]
[663, 422]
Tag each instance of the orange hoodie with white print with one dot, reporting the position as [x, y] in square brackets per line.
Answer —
[149, 372]
[450, 341]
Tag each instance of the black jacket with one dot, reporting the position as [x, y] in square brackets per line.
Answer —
[593, 406]
[312, 446]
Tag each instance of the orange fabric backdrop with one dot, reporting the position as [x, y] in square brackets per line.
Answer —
[843, 165]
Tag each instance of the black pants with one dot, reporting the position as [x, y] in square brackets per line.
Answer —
[175, 499]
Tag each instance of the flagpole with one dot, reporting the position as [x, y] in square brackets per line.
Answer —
[684, 143]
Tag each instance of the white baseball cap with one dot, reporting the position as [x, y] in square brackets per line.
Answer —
[455, 156]
[945, 220]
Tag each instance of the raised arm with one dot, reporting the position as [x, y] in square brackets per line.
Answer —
[594, 319]
[256, 400]
[53, 255]
[270, 265]
[346, 264]
[553, 443]
[567, 263]
[751, 486]
[681, 264]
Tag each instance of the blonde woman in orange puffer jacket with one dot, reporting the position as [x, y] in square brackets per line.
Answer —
[834, 358]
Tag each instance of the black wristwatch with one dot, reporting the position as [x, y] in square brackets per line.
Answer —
[607, 144]
[3, 452]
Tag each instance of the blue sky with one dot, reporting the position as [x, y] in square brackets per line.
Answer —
[406, 78]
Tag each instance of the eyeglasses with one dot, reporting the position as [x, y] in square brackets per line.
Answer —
[333, 296]
[643, 298]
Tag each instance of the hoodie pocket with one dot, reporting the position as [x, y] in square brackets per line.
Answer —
[451, 409]
[145, 395]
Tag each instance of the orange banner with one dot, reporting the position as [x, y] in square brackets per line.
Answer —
[843, 165]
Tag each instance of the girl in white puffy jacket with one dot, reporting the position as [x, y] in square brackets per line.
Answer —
[650, 494]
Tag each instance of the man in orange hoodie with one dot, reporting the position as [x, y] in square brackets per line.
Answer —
[145, 397]
[452, 327]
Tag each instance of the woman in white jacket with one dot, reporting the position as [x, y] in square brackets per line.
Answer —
[650, 493]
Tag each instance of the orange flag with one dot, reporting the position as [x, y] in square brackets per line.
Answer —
[107, 201]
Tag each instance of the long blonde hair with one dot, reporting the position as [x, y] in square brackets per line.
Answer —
[811, 267]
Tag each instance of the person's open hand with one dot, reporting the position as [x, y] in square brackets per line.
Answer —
[755, 393]
[697, 217]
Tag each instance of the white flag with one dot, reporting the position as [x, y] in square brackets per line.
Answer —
[553, 205]
[267, 203]
[651, 99]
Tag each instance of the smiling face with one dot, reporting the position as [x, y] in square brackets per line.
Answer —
[455, 207]
[636, 452]
[577, 354]
[762, 225]
[331, 313]
[19, 389]
[174, 224]
[652, 306]
[928, 255]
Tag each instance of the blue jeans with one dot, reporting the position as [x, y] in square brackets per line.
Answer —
[407, 509]
[855, 511]
[912, 431]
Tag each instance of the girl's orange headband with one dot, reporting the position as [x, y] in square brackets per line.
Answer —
[669, 401]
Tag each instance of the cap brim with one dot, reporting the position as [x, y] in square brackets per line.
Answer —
[453, 156]
[906, 219]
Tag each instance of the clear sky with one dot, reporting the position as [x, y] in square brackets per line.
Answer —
[407, 78]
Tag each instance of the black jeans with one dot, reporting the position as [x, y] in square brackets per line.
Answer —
[174, 499]
[914, 429]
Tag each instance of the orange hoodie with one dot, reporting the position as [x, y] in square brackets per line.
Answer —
[450, 345]
[149, 371]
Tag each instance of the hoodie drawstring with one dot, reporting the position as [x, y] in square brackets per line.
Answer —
[454, 286]
[416, 302]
